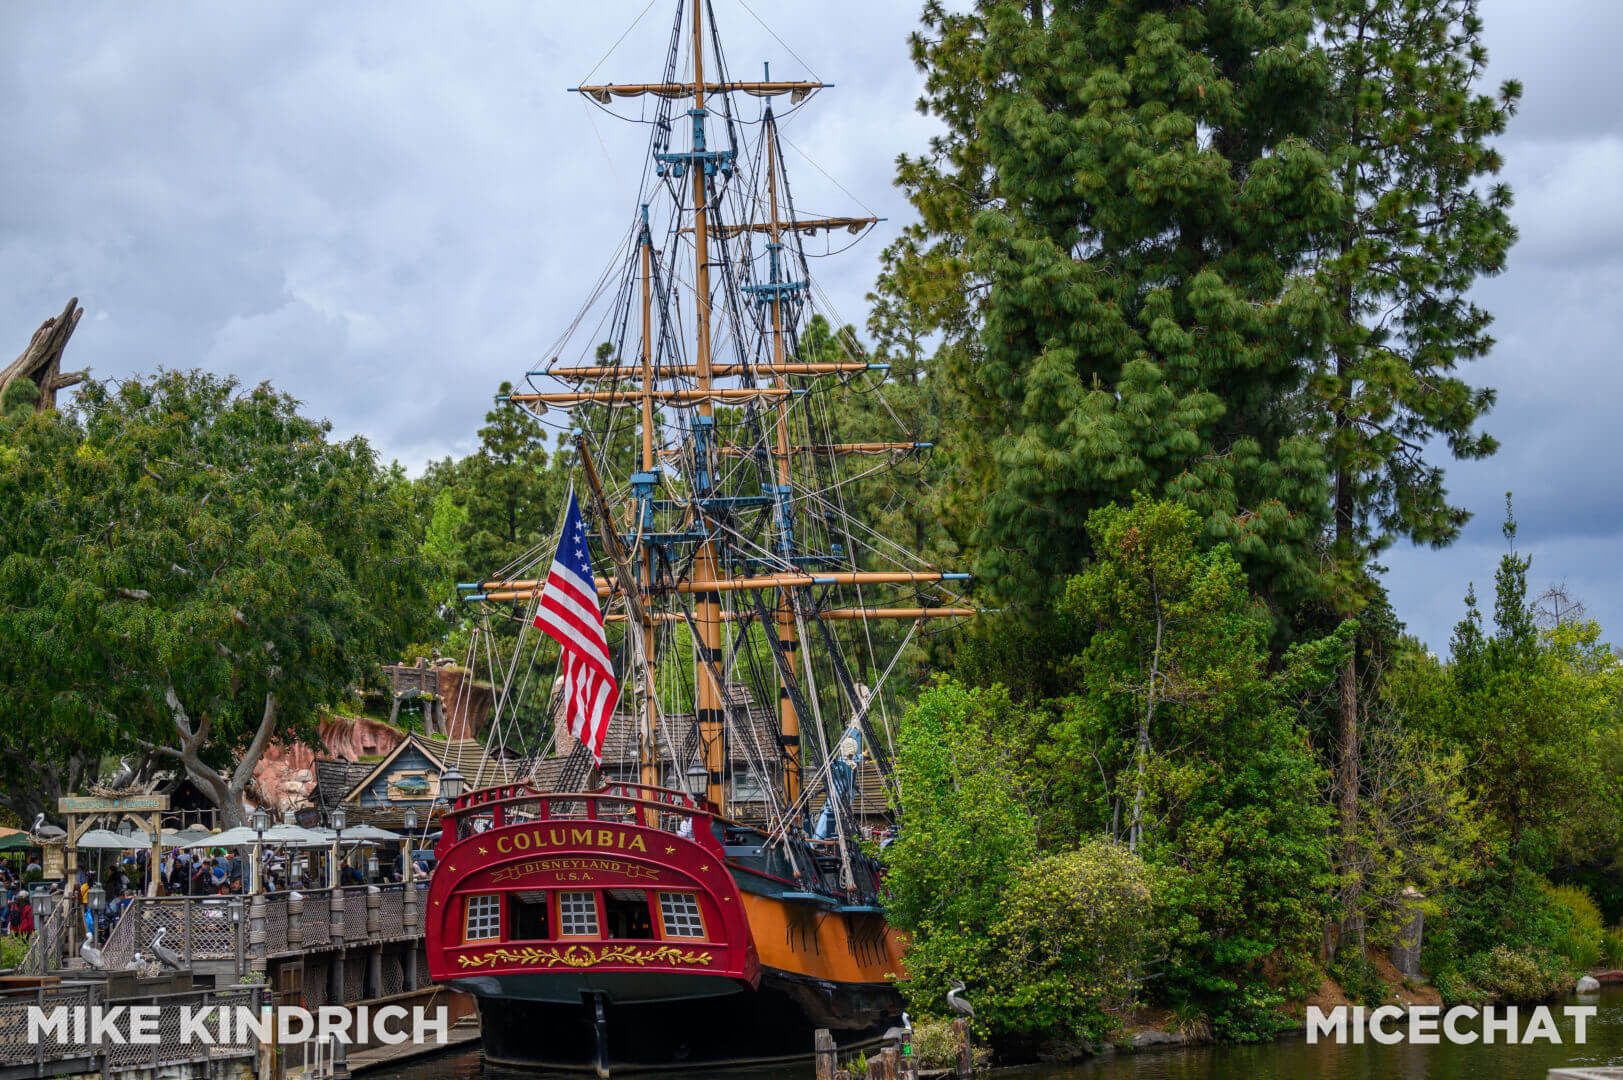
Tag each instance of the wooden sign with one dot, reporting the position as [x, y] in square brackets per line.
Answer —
[55, 865]
[89, 804]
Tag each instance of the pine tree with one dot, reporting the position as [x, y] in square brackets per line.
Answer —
[1126, 196]
[1408, 140]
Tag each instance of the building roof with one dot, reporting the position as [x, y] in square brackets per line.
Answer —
[469, 757]
[335, 779]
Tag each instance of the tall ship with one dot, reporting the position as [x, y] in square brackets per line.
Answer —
[697, 889]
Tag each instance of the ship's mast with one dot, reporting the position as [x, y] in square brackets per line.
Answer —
[707, 606]
[699, 544]
[784, 616]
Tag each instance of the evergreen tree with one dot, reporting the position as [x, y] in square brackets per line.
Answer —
[1408, 140]
[1127, 196]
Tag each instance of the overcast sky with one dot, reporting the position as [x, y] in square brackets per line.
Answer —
[388, 209]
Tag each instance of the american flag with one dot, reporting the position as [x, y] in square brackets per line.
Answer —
[570, 616]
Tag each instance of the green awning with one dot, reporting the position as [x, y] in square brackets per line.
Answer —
[16, 842]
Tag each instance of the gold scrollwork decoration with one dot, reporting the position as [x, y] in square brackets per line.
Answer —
[582, 956]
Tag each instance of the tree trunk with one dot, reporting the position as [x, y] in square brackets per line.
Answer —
[1135, 828]
[1347, 766]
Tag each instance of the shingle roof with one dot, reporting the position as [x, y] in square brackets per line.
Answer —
[335, 779]
[471, 759]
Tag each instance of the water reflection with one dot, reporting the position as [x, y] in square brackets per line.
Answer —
[1287, 1059]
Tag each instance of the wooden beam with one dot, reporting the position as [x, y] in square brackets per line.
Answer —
[804, 226]
[524, 590]
[838, 614]
[820, 449]
[604, 92]
[719, 371]
[634, 397]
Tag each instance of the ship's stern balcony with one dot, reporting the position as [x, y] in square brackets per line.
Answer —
[621, 891]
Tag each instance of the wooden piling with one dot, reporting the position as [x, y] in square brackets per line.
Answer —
[966, 1055]
[823, 1043]
[887, 1063]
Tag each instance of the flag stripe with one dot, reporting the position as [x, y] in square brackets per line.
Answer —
[569, 614]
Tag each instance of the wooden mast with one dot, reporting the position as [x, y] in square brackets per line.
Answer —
[784, 615]
[707, 606]
[647, 746]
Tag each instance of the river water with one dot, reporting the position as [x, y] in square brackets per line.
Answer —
[1287, 1059]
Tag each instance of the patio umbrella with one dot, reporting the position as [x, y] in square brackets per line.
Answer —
[108, 840]
[236, 837]
[295, 836]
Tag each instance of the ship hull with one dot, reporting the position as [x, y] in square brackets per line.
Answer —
[775, 1022]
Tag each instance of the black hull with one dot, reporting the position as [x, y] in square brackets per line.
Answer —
[776, 1023]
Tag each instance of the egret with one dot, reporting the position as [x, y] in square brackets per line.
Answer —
[960, 1004]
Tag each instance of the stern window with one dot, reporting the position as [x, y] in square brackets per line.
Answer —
[484, 918]
[527, 917]
[626, 912]
[680, 913]
[577, 914]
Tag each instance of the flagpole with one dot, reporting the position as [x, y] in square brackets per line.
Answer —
[638, 615]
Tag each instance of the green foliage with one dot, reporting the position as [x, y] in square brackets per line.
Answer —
[20, 398]
[1611, 948]
[1126, 193]
[1200, 759]
[1419, 220]
[1580, 934]
[1532, 712]
[1358, 978]
[12, 952]
[1073, 933]
[968, 833]
[1517, 976]
[195, 568]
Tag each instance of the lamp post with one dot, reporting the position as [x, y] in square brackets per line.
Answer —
[261, 822]
[453, 784]
[337, 847]
[408, 889]
[409, 821]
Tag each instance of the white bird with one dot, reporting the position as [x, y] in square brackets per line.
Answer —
[170, 957]
[960, 1004]
[91, 955]
[38, 820]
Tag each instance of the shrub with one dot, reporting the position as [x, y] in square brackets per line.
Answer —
[1579, 932]
[1611, 949]
[1519, 976]
[1072, 932]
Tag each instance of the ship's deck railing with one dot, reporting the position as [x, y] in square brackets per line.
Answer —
[624, 804]
[218, 927]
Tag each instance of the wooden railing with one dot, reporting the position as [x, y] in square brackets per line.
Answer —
[217, 927]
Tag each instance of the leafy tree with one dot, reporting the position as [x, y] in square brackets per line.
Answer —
[1530, 711]
[1408, 138]
[968, 834]
[1202, 763]
[1127, 196]
[194, 569]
